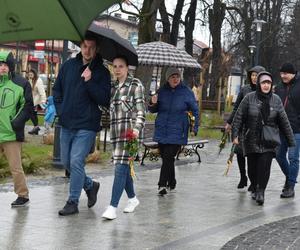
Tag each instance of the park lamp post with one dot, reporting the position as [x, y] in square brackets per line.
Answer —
[251, 49]
[259, 24]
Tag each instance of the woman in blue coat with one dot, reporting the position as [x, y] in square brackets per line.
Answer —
[172, 103]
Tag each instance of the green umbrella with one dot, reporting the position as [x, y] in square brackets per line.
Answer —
[25, 20]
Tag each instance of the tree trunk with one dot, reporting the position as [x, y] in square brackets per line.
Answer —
[176, 22]
[147, 22]
[216, 17]
[165, 37]
[190, 74]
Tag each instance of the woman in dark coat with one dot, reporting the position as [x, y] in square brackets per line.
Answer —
[172, 103]
[258, 107]
[252, 77]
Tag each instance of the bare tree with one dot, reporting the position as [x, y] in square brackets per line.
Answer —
[216, 18]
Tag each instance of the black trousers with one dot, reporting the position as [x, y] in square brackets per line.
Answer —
[241, 159]
[167, 172]
[259, 168]
[34, 117]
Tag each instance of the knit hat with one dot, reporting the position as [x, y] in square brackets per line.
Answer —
[8, 58]
[287, 68]
[172, 71]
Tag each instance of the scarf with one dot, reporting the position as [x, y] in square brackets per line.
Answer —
[265, 99]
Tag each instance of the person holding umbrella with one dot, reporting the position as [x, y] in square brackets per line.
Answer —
[257, 110]
[172, 103]
[127, 117]
[83, 83]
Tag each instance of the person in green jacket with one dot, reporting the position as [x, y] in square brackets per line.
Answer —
[12, 102]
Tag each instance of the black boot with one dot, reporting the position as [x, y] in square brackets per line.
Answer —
[286, 185]
[260, 197]
[288, 193]
[251, 188]
[243, 182]
[253, 192]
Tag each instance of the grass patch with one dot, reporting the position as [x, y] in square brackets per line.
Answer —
[34, 158]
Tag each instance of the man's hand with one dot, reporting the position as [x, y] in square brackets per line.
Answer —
[87, 74]
[227, 127]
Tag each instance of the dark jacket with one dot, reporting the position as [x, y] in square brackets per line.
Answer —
[76, 101]
[18, 123]
[171, 124]
[249, 116]
[244, 91]
[292, 105]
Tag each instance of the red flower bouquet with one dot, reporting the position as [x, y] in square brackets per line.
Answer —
[132, 147]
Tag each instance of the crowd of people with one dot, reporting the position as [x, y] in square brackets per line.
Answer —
[83, 84]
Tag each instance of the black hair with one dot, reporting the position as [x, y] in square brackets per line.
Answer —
[124, 58]
[90, 37]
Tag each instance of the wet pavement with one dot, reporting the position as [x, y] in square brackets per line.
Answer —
[206, 212]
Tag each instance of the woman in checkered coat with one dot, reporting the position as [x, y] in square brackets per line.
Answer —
[127, 112]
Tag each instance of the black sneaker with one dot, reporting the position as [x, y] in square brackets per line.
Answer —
[20, 202]
[69, 208]
[34, 131]
[92, 194]
[162, 191]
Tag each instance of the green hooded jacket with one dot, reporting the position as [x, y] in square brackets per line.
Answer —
[11, 103]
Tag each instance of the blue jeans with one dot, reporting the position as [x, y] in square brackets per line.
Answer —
[123, 180]
[75, 145]
[290, 166]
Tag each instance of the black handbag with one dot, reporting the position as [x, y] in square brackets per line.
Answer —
[270, 136]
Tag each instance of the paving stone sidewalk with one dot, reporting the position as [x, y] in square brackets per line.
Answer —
[207, 212]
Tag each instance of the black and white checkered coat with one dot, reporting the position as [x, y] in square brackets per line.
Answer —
[127, 111]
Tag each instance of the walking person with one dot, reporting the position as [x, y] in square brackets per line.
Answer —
[39, 99]
[256, 110]
[15, 108]
[127, 112]
[241, 160]
[171, 104]
[288, 157]
[82, 84]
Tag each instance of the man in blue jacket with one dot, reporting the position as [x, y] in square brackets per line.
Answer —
[83, 83]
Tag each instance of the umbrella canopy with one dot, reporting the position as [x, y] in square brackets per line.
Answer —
[164, 54]
[25, 20]
[111, 44]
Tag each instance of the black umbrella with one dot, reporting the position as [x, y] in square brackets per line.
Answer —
[111, 44]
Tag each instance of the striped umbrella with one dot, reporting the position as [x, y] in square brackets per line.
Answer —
[163, 54]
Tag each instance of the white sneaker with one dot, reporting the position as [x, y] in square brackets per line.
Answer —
[110, 213]
[131, 205]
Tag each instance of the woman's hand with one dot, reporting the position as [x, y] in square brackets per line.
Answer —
[236, 141]
[154, 99]
[227, 127]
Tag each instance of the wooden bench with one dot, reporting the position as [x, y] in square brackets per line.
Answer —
[188, 150]
[151, 148]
